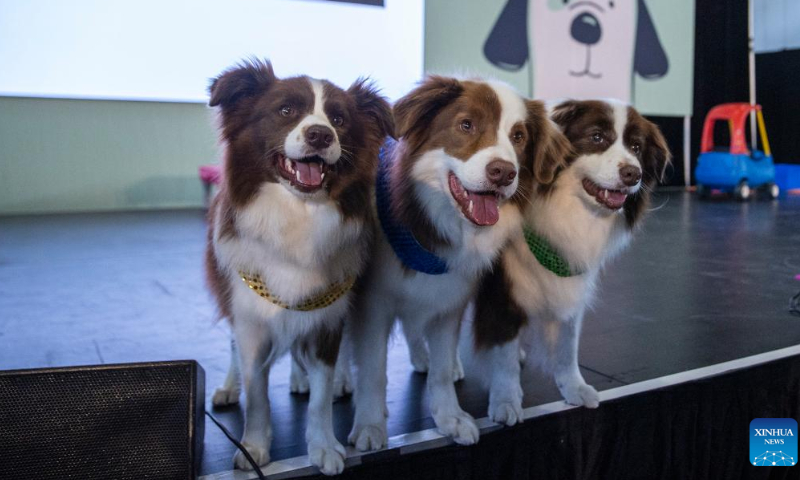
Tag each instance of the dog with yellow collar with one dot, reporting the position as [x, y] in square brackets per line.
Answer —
[289, 233]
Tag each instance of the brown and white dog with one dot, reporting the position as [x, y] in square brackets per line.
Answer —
[586, 217]
[289, 232]
[465, 149]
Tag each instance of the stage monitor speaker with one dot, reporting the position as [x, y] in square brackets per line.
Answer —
[128, 421]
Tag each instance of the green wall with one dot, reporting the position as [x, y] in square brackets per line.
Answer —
[59, 155]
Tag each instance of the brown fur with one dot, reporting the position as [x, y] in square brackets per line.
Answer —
[548, 153]
[580, 119]
[654, 157]
[498, 318]
[216, 280]
[323, 343]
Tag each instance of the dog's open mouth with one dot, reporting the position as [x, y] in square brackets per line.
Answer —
[305, 174]
[479, 207]
[613, 199]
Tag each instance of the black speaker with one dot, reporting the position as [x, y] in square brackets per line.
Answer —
[128, 421]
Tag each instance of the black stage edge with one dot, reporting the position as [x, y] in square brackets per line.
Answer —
[691, 425]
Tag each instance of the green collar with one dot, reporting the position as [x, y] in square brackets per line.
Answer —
[547, 255]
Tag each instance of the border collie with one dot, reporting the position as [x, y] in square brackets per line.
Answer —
[289, 233]
[539, 289]
[444, 198]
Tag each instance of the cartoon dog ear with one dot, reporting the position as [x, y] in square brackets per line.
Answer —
[416, 110]
[375, 106]
[550, 149]
[244, 80]
[507, 44]
[650, 60]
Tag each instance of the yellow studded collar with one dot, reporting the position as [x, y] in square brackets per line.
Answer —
[325, 298]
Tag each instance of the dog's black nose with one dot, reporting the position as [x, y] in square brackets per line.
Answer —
[586, 29]
[501, 172]
[630, 175]
[319, 136]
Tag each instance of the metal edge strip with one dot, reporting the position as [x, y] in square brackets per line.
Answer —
[430, 438]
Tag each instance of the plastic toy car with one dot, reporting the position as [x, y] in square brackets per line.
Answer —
[735, 169]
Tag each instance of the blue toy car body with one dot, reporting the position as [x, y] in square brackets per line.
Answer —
[736, 168]
[725, 171]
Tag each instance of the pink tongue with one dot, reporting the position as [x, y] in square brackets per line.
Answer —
[484, 208]
[310, 173]
[615, 199]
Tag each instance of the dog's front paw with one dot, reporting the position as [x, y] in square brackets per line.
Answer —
[328, 458]
[460, 426]
[224, 397]
[507, 412]
[368, 437]
[580, 393]
[298, 382]
[260, 455]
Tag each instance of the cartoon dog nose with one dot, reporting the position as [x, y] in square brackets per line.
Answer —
[501, 172]
[630, 175]
[319, 136]
[586, 29]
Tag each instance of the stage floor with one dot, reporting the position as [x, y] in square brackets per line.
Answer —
[704, 282]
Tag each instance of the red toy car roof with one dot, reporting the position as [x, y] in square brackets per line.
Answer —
[737, 114]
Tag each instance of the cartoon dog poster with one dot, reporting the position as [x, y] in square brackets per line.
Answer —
[578, 48]
[640, 51]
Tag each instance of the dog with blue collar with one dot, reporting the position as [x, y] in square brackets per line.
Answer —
[447, 195]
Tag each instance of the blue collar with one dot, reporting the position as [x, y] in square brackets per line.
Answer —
[411, 254]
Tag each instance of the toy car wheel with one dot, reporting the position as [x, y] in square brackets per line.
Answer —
[703, 191]
[742, 191]
[773, 190]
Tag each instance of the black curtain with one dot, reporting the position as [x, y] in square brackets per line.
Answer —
[720, 75]
[778, 91]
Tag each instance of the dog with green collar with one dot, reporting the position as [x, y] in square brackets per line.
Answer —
[541, 285]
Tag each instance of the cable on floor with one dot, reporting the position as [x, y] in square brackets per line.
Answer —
[238, 445]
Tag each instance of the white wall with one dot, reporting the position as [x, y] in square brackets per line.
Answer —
[168, 49]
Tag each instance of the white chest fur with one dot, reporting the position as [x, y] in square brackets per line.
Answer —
[583, 234]
[299, 248]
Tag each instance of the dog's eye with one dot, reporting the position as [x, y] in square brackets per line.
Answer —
[597, 137]
[338, 120]
[286, 110]
[518, 137]
[636, 148]
[466, 125]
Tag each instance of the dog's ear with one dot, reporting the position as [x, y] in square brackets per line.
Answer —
[244, 80]
[414, 112]
[650, 60]
[507, 44]
[549, 149]
[564, 113]
[657, 155]
[370, 102]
